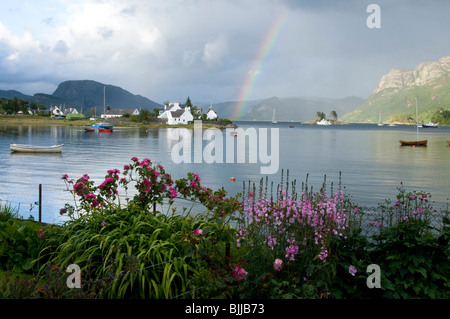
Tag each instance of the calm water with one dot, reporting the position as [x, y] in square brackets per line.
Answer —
[369, 157]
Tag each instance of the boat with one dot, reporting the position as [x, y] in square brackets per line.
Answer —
[379, 121]
[23, 148]
[416, 142]
[291, 126]
[233, 133]
[413, 143]
[102, 127]
[430, 125]
[273, 118]
[324, 122]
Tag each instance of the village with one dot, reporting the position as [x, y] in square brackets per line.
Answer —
[173, 113]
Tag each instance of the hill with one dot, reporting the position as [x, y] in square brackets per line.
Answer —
[86, 94]
[394, 96]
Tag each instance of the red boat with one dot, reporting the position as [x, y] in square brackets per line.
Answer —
[103, 127]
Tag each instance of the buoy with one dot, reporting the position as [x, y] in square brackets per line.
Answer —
[232, 179]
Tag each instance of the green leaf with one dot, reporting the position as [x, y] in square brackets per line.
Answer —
[422, 271]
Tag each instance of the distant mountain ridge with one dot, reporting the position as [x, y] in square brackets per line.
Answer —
[86, 94]
[394, 95]
[297, 109]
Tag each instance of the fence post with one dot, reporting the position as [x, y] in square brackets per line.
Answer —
[40, 202]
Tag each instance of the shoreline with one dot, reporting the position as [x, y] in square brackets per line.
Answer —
[121, 122]
[47, 121]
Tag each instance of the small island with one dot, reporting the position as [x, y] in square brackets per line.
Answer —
[323, 120]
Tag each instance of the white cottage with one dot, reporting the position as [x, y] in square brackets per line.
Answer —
[176, 115]
[211, 115]
[116, 112]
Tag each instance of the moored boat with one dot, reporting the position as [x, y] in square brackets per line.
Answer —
[324, 122]
[101, 127]
[23, 148]
[417, 142]
[414, 143]
[430, 125]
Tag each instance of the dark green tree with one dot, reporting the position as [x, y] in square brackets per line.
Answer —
[188, 102]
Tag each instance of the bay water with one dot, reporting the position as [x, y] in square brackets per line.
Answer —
[368, 158]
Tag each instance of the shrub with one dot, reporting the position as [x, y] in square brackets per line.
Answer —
[19, 241]
[137, 251]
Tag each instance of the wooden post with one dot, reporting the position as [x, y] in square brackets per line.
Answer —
[40, 202]
[227, 250]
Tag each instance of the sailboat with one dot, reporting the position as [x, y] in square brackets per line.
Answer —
[379, 121]
[102, 127]
[273, 118]
[416, 142]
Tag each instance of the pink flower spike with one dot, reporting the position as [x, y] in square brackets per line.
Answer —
[103, 224]
[239, 273]
[352, 270]
[198, 231]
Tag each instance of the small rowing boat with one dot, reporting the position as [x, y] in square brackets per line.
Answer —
[414, 143]
[23, 148]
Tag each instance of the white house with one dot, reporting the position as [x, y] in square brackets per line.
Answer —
[211, 115]
[176, 115]
[111, 113]
[54, 110]
[70, 110]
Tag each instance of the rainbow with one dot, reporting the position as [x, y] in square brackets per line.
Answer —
[266, 47]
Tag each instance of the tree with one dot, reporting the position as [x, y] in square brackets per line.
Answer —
[155, 112]
[320, 115]
[144, 116]
[334, 115]
[188, 102]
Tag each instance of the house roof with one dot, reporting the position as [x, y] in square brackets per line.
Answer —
[177, 113]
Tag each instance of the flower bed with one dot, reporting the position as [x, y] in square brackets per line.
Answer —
[291, 245]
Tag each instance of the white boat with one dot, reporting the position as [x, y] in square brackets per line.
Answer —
[324, 122]
[430, 125]
[379, 121]
[23, 148]
[273, 118]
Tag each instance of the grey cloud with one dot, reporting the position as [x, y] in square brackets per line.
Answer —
[61, 47]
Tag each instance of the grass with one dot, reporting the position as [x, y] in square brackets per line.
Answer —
[118, 122]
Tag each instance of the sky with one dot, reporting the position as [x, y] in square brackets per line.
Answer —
[217, 50]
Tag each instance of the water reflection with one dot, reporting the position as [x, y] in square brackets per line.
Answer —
[371, 161]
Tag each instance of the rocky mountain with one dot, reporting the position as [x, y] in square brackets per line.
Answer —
[394, 96]
[297, 109]
[86, 94]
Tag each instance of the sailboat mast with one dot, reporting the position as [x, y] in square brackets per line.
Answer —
[417, 120]
[104, 100]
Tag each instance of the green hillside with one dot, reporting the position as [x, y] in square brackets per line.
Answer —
[394, 97]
